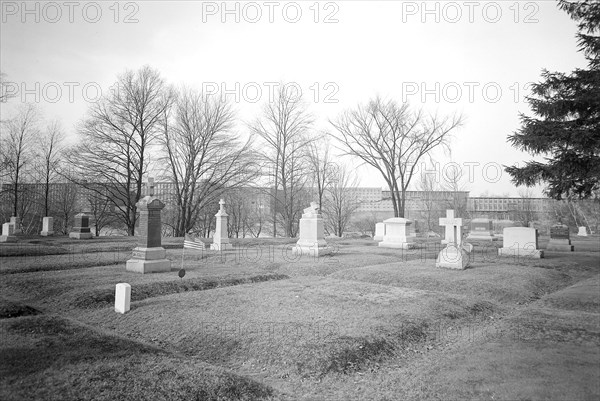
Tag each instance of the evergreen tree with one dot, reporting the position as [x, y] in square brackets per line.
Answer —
[567, 130]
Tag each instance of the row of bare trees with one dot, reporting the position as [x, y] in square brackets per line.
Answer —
[190, 140]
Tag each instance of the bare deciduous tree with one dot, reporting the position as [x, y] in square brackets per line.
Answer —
[321, 167]
[4, 93]
[283, 128]
[50, 151]
[116, 136]
[526, 211]
[17, 149]
[342, 200]
[202, 156]
[453, 183]
[429, 186]
[392, 139]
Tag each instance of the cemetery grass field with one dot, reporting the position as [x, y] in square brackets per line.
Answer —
[256, 323]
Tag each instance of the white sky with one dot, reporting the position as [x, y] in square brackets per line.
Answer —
[391, 48]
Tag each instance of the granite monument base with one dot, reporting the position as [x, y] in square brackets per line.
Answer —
[148, 260]
[78, 235]
[314, 249]
[521, 253]
[453, 257]
[560, 245]
[8, 238]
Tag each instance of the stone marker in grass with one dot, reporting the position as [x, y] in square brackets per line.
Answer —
[81, 228]
[149, 256]
[47, 226]
[379, 232]
[454, 255]
[8, 230]
[16, 222]
[520, 242]
[312, 240]
[582, 232]
[560, 239]
[122, 298]
[398, 234]
[220, 239]
[481, 230]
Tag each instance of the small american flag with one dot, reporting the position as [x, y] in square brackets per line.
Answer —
[193, 243]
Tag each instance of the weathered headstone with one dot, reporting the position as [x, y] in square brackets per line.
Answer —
[582, 232]
[47, 226]
[220, 239]
[149, 256]
[8, 230]
[122, 298]
[379, 231]
[560, 239]
[312, 239]
[521, 242]
[81, 227]
[397, 234]
[16, 222]
[481, 230]
[454, 255]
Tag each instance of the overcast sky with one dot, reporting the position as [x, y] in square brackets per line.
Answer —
[474, 58]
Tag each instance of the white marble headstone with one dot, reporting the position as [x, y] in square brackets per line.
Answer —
[520, 241]
[122, 298]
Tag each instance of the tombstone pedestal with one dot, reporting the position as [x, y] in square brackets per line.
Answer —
[561, 245]
[47, 226]
[220, 239]
[379, 232]
[149, 256]
[81, 229]
[311, 240]
[8, 233]
[560, 239]
[397, 234]
[453, 257]
[80, 235]
[149, 260]
[520, 242]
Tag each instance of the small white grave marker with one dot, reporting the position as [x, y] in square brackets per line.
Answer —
[122, 298]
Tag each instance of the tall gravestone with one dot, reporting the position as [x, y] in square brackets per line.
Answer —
[481, 230]
[520, 242]
[81, 227]
[16, 222]
[47, 226]
[149, 256]
[454, 255]
[220, 239]
[312, 239]
[8, 235]
[379, 232]
[398, 234]
[560, 239]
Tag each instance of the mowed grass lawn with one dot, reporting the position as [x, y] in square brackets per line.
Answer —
[258, 323]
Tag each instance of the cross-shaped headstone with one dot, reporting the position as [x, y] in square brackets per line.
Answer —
[454, 226]
[151, 186]
[222, 205]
